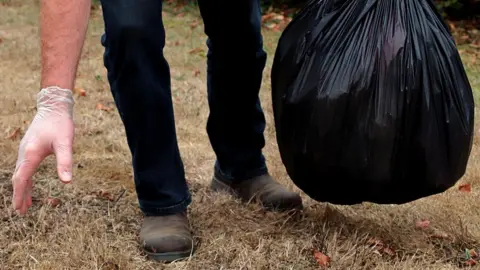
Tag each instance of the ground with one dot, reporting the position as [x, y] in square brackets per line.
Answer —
[96, 224]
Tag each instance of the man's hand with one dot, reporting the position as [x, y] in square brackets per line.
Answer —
[51, 132]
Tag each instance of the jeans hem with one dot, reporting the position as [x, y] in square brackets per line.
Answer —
[244, 176]
[150, 209]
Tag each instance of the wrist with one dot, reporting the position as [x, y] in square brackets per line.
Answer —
[55, 99]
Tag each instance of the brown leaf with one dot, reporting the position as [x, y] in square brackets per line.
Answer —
[177, 43]
[196, 50]
[14, 135]
[423, 224]
[322, 259]
[465, 188]
[194, 24]
[380, 247]
[102, 107]
[52, 202]
[439, 235]
[196, 73]
[375, 243]
[181, 14]
[80, 91]
[389, 251]
[268, 16]
[105, 195]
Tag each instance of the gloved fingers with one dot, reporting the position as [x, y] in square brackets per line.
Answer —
[63, 154]
[21, 179]
[28, 199]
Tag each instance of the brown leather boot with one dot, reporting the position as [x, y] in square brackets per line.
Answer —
[167, 238]
[262, 189]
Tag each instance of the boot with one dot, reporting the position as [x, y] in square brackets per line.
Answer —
[167, 238]
[262, 189]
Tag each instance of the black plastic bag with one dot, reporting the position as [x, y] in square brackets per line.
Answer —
[371, 102]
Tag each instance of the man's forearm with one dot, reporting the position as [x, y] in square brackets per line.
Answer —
[63, 26]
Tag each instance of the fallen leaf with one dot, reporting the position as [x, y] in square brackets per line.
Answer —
[322, 259]
[375, 243]
[80, 91]
[105, 195]
[196, 50]
[52, 202]
[422, 224]
[102, 107]
[473, 253]
[439, 235]
[14, 135]
[465, 188]
[194, 24]
[196, 73]
[380, 247]
[181, 14]
[470, 262]
[389, 251]
[177, 43]
[267, 17]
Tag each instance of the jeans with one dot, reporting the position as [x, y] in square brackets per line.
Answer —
[139, 78]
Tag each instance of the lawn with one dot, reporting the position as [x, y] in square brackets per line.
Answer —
[96, 224]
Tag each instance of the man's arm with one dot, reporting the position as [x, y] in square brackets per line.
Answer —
[63, 26]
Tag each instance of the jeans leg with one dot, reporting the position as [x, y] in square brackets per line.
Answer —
[139, 78]
[235, 64]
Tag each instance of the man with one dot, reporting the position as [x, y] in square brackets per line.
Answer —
[139, 77]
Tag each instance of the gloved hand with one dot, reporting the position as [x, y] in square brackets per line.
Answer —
[51, 132]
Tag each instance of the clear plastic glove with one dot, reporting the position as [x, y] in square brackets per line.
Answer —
[51, 132]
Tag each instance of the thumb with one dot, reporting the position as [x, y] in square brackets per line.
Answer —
[63, 154]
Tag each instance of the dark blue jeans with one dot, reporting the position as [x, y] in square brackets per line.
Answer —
[139, 78]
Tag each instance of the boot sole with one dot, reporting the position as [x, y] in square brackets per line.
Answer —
[287, 205]
[169, 256]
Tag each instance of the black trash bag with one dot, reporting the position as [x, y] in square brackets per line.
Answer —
[371, 102]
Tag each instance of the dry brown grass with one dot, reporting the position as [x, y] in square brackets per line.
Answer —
[89, 232]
